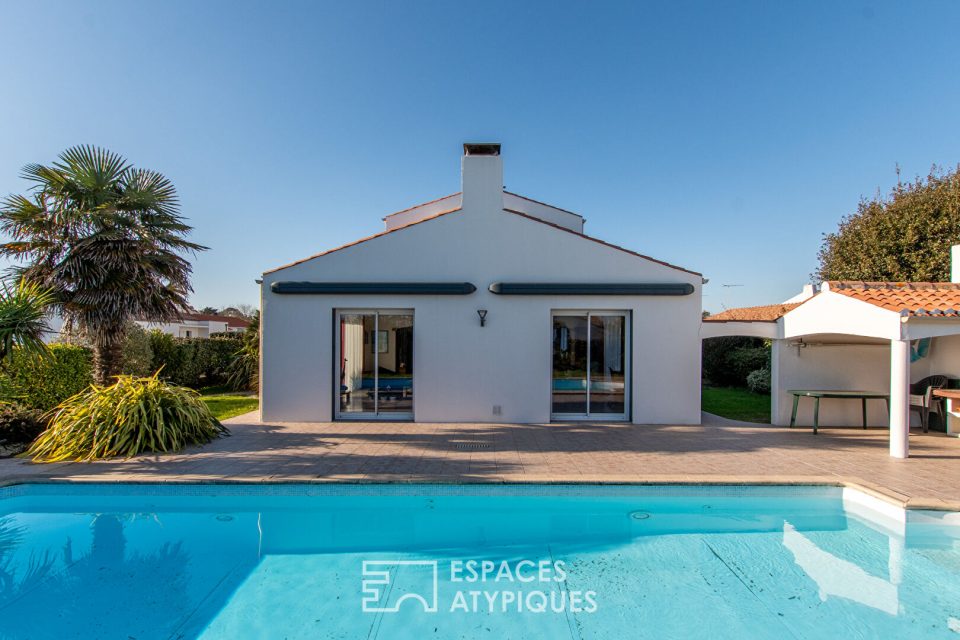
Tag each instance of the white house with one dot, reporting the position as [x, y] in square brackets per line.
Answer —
[197, 325]
[483, 306]
[855, 336]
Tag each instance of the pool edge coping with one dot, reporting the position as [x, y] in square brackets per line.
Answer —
[885, 494]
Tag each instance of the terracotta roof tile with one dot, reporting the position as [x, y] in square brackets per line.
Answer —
[922, 299]
[766, 313]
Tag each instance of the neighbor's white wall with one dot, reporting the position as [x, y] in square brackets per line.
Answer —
[460, 369]
[169, 328]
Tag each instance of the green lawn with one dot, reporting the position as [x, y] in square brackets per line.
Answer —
[228, 406]
[736, 404]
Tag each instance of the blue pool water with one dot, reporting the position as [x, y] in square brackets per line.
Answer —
[394, 561]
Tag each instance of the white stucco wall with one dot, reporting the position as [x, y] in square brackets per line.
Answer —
[855, 367]
[426, 210]
[460, 369]
[831, 312]
[943, 358]
[566, 219]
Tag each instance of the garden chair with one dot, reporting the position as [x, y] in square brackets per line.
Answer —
[922, 398]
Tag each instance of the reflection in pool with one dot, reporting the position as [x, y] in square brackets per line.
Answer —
[287, 561]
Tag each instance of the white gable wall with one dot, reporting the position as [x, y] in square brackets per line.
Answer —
[831, 312]
[427, 210]
[552, 215]
[460, 369]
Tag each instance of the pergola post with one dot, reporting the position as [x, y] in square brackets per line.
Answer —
[899, 398]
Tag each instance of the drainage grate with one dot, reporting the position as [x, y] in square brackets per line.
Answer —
[472, 445]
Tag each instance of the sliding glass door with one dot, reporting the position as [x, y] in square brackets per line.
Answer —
[375, 355]
[590, 365]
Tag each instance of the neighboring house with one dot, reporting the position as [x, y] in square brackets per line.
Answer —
[483, 306]
[197, 325]
[857, 336]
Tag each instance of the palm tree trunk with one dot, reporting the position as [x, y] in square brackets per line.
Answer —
[107, 360]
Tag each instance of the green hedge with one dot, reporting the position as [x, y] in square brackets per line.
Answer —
[193, 362]
[45, 382]
[727, 361]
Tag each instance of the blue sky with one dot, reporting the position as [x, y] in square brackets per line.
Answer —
[722, 136]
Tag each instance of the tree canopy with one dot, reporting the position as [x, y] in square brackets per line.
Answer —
[107, 238]
[905, 236]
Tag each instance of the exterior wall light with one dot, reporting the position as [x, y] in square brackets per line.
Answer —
[483, 317]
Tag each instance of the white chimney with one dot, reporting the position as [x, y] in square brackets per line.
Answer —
[482, 176]
[955, 263]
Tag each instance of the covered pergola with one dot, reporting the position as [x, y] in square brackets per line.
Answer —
[864, 316]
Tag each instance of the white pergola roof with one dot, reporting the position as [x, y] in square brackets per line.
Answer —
[866, 313]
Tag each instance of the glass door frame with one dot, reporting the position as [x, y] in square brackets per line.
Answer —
[376, 414]
[627, 367]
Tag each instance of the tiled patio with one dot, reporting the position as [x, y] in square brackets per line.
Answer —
[579, 452]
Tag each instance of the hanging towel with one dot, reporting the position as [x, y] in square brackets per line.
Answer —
[919, 349]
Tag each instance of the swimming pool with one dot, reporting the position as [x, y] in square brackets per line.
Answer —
[471, 561]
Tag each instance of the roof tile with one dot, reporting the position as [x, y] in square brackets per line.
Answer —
[914, 299]
[766, 313]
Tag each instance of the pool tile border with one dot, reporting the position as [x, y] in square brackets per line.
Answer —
[872, 490]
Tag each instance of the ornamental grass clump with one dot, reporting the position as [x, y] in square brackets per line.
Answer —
[131, 416]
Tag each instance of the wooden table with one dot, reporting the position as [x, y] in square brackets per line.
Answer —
[953, 409]
[863, 396]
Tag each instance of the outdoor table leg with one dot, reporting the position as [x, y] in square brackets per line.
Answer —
[793, 416]
[864, 412]
[816, 414]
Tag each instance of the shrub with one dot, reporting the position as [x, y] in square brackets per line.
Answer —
[759, 381]
[745, 360]
[43, 383]
[136, 357]
[165, 353]
[131, 416]
[727, 361]
[245, 368]
[19, 425]
[193, 362]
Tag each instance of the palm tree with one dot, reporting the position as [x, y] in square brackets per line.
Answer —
[107, 239]
[23, 319]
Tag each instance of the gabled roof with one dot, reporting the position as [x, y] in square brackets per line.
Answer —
[362, 240]
[599, 241]
[422, 204]
[766, 313]
[920, 299]
[552, 206]
[511, 211]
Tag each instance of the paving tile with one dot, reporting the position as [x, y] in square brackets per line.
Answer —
[577, 452]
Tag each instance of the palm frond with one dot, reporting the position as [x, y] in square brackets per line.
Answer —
[23, 318]
[106, 237]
